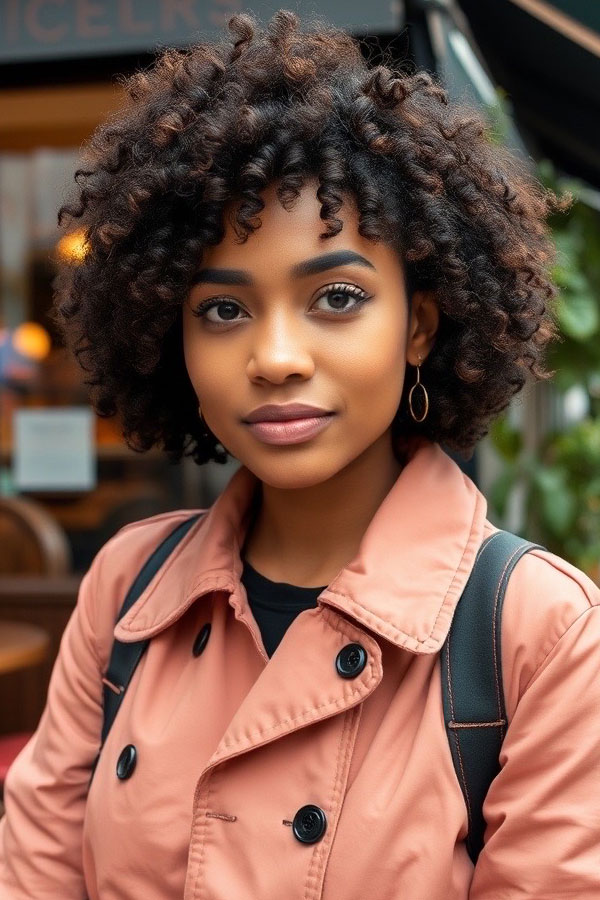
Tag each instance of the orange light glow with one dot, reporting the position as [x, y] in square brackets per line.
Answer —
[31, 340]
[72, 246]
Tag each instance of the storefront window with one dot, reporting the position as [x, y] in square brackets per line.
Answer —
[55, 453]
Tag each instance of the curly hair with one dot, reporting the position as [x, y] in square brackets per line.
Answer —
[222, 120]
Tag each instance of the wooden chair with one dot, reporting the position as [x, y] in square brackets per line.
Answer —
[31, 541]
[21, 646]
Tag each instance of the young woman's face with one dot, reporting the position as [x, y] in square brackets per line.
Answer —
[295, 318]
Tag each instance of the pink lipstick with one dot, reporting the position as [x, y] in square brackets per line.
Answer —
[290, 431]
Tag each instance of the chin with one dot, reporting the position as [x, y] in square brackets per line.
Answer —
[290, 471]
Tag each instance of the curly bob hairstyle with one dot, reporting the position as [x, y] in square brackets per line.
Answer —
[222, 120]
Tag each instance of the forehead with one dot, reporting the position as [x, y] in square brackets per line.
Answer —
[288, 236]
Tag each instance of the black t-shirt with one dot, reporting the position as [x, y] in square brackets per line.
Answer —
[275, 604]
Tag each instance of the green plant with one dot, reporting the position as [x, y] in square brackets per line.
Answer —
[560, 477]
[577, 274]
[561, 484]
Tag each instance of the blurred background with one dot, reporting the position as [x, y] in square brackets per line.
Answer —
[68, 481]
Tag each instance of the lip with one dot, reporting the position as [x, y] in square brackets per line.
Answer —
[272, 412]
[292, 431]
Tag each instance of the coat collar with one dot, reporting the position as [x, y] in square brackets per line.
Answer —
[403, 584]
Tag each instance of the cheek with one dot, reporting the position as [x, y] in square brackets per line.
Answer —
[373, 366]
[212, 381]
[203, 361]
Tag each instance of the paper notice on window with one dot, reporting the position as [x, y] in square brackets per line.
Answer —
[53, 449]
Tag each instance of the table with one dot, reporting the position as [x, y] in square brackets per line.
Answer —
[21, 645]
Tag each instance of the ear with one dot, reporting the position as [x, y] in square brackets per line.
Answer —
[422, 326]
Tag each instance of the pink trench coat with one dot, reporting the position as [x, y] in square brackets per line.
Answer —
[230, 745]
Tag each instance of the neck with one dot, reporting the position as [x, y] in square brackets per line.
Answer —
[305, 536]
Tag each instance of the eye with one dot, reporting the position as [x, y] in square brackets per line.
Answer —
[338, 294]
[225, 303]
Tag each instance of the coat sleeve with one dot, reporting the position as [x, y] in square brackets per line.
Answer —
[542, 838]
[46, 787]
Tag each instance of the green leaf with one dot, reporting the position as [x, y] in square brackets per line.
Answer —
[557, 504]
[578, 315]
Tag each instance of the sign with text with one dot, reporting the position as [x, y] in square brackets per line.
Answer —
[59, 29]
[54, 449]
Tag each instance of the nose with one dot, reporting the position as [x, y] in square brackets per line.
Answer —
[280, 350]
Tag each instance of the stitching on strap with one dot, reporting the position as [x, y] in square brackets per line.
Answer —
[498, 589]
[457, 742]
[117, 689]
[500, 723]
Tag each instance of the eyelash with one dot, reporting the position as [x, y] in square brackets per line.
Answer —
[349, 290]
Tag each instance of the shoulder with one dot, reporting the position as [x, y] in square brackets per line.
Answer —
[544, 598]
[132, 544]
[115, 566]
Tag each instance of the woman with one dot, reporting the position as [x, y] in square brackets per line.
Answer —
[269, 224]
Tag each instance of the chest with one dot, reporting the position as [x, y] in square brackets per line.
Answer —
[257, 777]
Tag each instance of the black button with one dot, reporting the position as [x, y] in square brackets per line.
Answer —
[200, 642]
[126, 762]
[309, 824]
[351, 660]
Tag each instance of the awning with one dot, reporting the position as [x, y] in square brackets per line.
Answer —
[546, 56]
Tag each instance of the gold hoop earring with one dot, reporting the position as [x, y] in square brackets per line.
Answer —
[425, 394]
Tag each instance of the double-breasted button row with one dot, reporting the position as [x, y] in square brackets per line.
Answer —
[128, 756]
[310, 822]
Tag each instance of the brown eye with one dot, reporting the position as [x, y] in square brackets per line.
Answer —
[339, 298]
[227, 310]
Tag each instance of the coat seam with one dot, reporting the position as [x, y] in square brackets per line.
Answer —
[353, 714]
[370, 615]
[136, 628]
[352, 601]
[545, 556]
[451, 586]
[95, 630]
[312, 877]
[204, 823]
[389, 630]
[141, 602]
[331, 702]
[554, 646]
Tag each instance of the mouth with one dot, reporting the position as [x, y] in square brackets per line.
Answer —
[277, 412]
[290, 431]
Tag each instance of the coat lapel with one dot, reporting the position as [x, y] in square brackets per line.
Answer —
[413, 562]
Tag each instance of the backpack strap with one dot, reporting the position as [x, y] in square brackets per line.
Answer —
[124, 657]
[471, 668]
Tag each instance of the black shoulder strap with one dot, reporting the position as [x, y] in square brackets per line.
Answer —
[472, 688]
[124, 657]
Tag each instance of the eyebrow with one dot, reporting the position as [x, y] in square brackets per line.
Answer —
[308, 267]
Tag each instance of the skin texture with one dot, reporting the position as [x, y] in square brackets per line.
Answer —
[288, 344]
